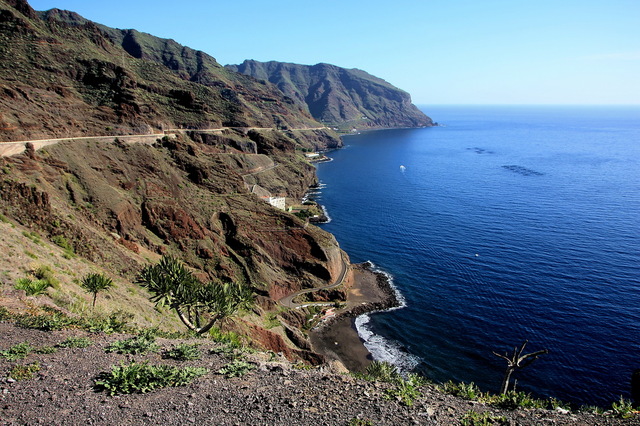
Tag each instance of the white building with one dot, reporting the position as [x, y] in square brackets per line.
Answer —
[263, 194]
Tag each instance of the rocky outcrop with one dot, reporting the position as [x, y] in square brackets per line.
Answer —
[338, 96]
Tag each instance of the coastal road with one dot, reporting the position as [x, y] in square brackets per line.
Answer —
[18, 147]
[287, 301]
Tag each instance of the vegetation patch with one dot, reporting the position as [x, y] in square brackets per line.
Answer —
[75, 342]
[142, 344]
[473, 418]
[510, 400]
[24, 372]
[40, 280]
[32, 287]
[623, 409]
[405, 390]
[142, 377]
[236, 368]
[184, 352]
[16, 352]
[50, 319]
[62, 242]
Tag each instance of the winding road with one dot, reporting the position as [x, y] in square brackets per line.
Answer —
[287, 301]
[18, 147]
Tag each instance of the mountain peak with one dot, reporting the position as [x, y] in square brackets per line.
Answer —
[339, 96]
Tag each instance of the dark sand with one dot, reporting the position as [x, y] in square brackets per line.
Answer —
[338, 339]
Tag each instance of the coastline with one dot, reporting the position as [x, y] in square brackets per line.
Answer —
[337, 337]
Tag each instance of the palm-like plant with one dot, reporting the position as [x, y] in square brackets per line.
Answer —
[95, 283]
[199, 306]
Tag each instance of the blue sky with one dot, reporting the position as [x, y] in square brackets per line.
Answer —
[440, 51]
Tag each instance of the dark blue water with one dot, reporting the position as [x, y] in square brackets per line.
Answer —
[486, 256]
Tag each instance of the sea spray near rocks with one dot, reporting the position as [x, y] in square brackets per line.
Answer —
[381, 348]
[315, 194]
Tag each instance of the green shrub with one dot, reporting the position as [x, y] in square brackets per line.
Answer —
[228, 351]
[134, 345]
[30, 254]
[62, 242]
[32, 287]
[33, 236]
[75, 342]
[45, 273]
[623, 408]
[512, 400]
[403, 391]
[142, 378]
[45, 350]
[116, 322]
[228, 338]
[16, 352]
[236, 368]
[50, 320]
[24, 372]
[473, 418]
[184, 352]
[462, 390]
[382, 371]
[272, 320]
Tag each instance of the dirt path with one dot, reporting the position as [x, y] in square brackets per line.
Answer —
[288, 302]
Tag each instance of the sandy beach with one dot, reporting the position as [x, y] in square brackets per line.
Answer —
[337, 338]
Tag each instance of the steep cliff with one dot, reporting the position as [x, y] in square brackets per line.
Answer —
[339, 96]
[120, 205]
[62, 75]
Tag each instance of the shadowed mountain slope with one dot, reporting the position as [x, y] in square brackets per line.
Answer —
[62, 75]
[339, 96]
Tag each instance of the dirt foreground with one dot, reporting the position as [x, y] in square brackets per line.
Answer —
[274, 393]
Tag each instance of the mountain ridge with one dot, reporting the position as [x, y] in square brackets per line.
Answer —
[192, 194]
[339, 96]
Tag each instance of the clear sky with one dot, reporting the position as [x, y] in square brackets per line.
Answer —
[440, 51]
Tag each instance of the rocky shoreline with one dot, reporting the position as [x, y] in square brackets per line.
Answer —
[336, 337]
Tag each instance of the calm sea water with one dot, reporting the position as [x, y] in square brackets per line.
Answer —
[506, 224]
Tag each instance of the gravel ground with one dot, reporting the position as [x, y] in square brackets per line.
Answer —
[275, 393]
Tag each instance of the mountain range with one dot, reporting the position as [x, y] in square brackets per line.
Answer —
[222, 142]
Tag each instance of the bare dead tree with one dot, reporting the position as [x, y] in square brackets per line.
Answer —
[517, 361]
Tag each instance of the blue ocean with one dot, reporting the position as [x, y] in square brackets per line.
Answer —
[504, 224]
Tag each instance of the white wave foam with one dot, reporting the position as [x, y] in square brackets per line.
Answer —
[381, 348]
[401, 300]
[326, 214]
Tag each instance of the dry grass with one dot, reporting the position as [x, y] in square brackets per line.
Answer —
[25, 252]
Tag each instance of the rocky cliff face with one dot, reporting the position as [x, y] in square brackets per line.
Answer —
[62, 75]
[116, 205]
[339, 96]
[120, 205]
